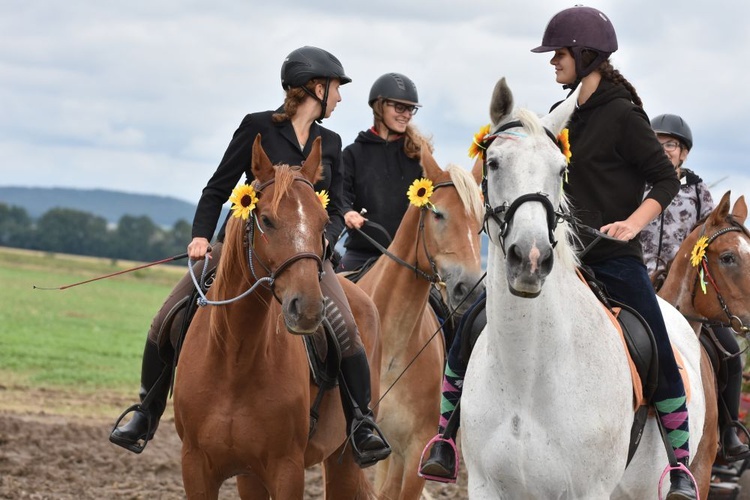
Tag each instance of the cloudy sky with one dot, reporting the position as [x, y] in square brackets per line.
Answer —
[143, 96]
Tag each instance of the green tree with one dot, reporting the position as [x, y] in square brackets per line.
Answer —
[15, 226]
[72, 231]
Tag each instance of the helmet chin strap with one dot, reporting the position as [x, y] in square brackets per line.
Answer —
[323, 102]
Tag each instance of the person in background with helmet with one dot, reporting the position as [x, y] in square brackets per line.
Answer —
[662, 236]
[379, 167]
[615, 153]
[311, 78]
[661, 239]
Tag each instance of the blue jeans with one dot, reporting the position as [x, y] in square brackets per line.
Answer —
[626, 280]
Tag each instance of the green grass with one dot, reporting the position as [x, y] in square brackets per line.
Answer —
[86, 338]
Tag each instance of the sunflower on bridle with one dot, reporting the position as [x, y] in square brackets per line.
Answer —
[243, 199]
[419, 193]
[479, 142]
[697, 257]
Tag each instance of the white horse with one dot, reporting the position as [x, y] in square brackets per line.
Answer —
[547, 406]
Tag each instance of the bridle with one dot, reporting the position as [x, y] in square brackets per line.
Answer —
[269, 280]
[734, 322]
[503, 215]
[433, 278]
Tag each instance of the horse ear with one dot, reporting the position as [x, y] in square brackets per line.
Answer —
[262, 167]
[558, 118]
[739, 211]
[430, 167]
[501, 103]
[477, 171]
[721, 212]
[312, 168]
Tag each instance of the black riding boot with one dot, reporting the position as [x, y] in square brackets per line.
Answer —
[440, 465]
[732, 449]
[682, 487]
[368, 443]
[156, 376]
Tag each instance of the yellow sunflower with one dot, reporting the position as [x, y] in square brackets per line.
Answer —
[476, 147]
[699, 251]
[323, 197]
[564, 141]
[243, 200]
[419, 192]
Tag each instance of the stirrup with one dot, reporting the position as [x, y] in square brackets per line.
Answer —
[441, 479]
[138, 445]
[368, 458]
[682, 467]
[736, 424]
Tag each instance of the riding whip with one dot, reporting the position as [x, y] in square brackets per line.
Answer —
[168, 259]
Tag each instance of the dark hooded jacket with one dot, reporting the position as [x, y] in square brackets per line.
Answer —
[614, 154]
[377, 175]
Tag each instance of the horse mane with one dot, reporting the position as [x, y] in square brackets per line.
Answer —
[284, 177]
[467, 190]
[564, 234]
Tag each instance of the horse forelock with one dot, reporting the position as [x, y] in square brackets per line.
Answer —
[530, 121]
[283, 179]
[468, 191]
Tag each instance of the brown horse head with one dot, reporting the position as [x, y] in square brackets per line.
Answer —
[285, 238]
[726, 267]
[451, 242]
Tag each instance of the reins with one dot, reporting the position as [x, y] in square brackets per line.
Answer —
[249, 242]
[433, 278]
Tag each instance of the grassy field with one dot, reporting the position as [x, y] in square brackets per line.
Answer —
[86, 338]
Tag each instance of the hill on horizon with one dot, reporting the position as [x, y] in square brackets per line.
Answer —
[164, 211]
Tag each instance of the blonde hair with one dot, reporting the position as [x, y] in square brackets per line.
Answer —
[413, 138]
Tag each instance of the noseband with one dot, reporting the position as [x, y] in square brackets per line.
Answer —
[269, 280]
[503, 215]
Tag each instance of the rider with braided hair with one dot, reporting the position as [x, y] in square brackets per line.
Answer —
[311, 78]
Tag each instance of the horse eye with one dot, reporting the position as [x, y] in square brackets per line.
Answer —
[492, 164]
[438, 215]
[727, 258]
[266, 222]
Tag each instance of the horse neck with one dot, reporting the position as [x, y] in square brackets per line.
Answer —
[678, 287]
[398, 293]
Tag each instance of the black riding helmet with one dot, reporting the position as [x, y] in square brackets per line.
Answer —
[306, 63]
[396, 87]
[675, 126]
[580, 29]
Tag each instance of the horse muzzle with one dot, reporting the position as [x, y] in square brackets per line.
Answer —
[303, 315]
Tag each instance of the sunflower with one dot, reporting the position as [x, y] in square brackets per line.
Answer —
[477, 145]
[243, 200]
[699, 251]
[564, 140]
[419, 192]
[323, 197]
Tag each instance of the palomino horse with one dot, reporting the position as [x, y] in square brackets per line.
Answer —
[547, 406]
[442, 242]
[243, 389]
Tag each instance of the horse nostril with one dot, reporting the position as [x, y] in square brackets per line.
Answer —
[293, 307]
[515, 257]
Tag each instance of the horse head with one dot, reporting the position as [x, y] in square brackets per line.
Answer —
[715, 257]
[524, 171]
[450, 228]
[283, 238]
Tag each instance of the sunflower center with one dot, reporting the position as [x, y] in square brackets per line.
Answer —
[246, 200]
[421, 191]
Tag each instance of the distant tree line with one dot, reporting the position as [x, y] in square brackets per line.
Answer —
[63, 230]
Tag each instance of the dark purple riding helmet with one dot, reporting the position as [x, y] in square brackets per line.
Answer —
[306, 63]
[580, 28]
[675, 126]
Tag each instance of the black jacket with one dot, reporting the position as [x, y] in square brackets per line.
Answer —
[614, 154]
[377, 175]
[280, 144]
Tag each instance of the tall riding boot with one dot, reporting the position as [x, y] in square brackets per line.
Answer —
[442, 463]
[368, 443]
[732, 449]
[682, 487]
[156, 376]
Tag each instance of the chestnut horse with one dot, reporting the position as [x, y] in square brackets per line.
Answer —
[723, 300]
[547, 406]
[442, 242]
[243, 389]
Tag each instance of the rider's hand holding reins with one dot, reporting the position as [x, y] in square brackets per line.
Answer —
[198, 248]
[354, 219]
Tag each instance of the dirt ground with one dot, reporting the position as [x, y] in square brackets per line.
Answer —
[54, 445]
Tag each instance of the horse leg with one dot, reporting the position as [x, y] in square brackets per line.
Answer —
[199, 481]
[250, 487]
[344, 479]
[705, 455]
